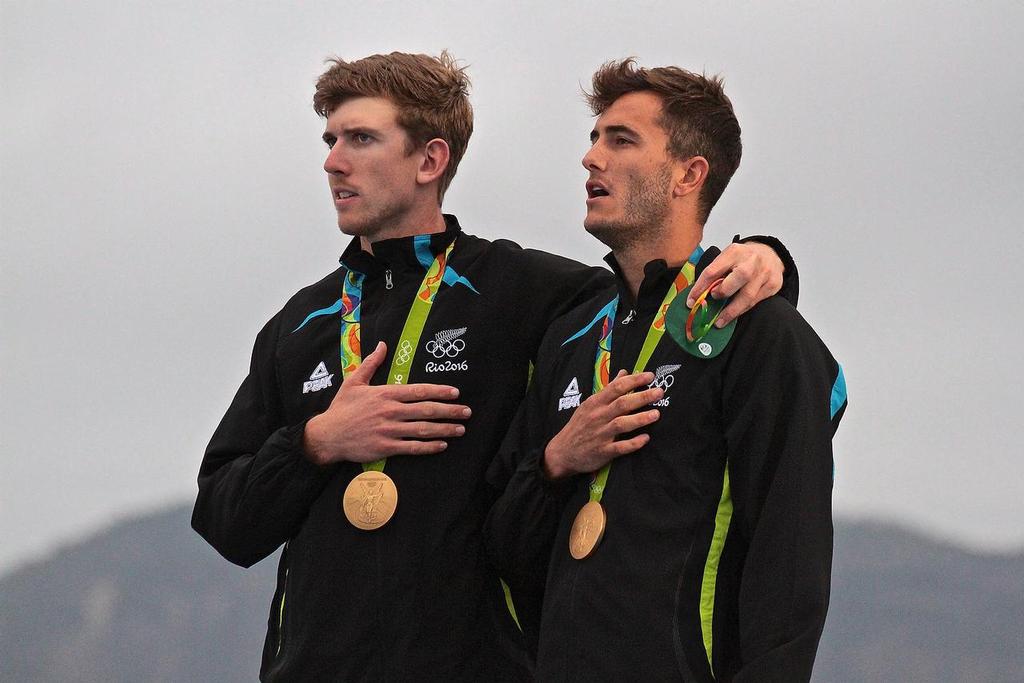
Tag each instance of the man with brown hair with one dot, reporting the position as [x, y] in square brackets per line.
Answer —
[371, 470]
[678, 475]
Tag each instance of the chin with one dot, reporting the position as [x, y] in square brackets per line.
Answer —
[353, 228]
[604, 232]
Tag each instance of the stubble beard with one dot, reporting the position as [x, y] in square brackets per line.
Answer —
[375, 225]
[645, 214]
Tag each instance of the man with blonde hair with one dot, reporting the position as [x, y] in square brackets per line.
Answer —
[377, 397]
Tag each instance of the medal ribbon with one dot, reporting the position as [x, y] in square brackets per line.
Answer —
[603, 361]
[401, 362]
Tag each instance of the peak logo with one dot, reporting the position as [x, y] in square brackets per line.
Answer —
[571, 396]
[320, 379]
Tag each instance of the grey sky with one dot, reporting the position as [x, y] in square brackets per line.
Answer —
[161, 195]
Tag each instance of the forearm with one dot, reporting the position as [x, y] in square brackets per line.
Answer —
[780, 418]
[786, 578]
[251, 503]
[519, 533]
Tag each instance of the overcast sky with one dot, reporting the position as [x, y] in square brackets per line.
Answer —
[162, 195]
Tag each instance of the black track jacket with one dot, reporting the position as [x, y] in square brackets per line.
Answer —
[415, 599]
[418, 598]
[715, 563]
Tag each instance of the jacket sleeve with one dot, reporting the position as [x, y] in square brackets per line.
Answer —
[547, 287]
[522, 524]
[783, 397]
[255, 486]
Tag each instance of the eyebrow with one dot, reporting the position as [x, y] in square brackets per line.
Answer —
[612, 129]
[328, 136]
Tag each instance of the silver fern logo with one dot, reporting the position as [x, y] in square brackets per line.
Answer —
[447, 343]
[663, 377]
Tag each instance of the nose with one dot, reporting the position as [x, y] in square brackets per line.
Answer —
[592, 160]
[335, 162]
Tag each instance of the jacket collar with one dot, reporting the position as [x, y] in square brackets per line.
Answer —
[415, 252]
[658, 275]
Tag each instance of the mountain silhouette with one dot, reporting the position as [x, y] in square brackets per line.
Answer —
[148, 600]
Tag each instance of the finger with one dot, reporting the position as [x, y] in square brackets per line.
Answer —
[763, 263]
[623, 384]
[425, 431]
[718, 268]
[421, 392]
[758, 263]
[626, 446]
[412, 447]
[740, 304]
[630, 423]
[431, 410]
[740, 277]
[636, 400]
[364, 373]
[743, 302]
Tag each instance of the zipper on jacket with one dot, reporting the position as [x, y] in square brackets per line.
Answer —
[388, 284]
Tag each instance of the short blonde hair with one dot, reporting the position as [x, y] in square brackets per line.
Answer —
[430, 93]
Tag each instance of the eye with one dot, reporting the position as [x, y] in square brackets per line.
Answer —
[619, 140]
[329, 140]
[362, 138]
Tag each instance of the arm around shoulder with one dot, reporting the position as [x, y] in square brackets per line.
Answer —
[547, 286]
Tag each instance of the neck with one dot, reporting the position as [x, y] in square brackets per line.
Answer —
[425, 223]
[674, 249]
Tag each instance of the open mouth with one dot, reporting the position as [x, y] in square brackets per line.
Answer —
[595, 190]
[344, 194]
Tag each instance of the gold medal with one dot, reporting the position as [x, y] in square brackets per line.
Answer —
[587, 530]
[370, 500]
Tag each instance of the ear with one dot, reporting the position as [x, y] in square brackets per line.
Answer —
[435, 160]
[693, 173]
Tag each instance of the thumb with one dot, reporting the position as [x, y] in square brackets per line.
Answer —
[364, 373]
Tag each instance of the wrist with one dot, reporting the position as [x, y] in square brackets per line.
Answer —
[312, 443]
[551, 464]
[776, 245]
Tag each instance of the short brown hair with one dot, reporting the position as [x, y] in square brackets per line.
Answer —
[431, 94]
[696, 114]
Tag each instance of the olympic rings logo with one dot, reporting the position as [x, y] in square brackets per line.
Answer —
[663, 377]
[404, 354]
[440, 348]
[664, 383]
